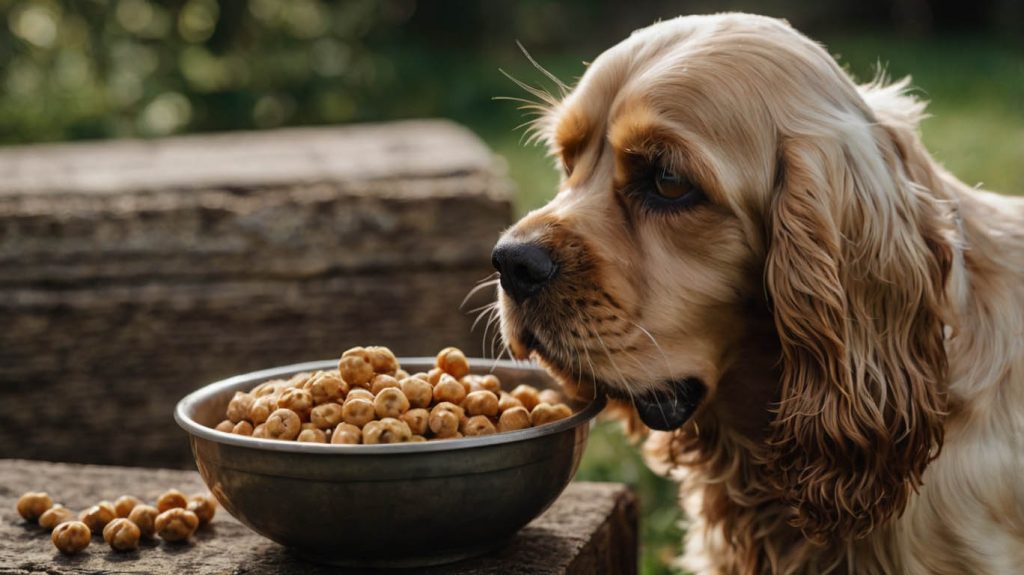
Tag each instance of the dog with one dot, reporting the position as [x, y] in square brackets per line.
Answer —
[821, 327]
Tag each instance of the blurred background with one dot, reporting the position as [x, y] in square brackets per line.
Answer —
[101, 69]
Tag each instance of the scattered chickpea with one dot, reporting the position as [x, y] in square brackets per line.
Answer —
[262, 408]
[417, 419]
[347, 434]
[478, 425]
[326, 416]
[226, 426]
[124, 504]
[122, 535]
[381, 382]
[176, 524]
[327, 387]
[527, 395]
[239, 407]
[549, 396]
[54, 516]
[481, 403]
[507, 401]
[443, 422]
[71, 537]
[144, 517]
[242, 428]
[97, 516]
[417, 391]
[387, 430]
[297, 400]
[355, 368]
[449, 389]
[453, 362]
[514, 418]
[358, 412]
[204, 506]
[260, 431]
[33, 504]
[312, 436]
[547, 413]
[360, 393]
[283, 424]
[382, 360]
[390, 402]
[170, 499]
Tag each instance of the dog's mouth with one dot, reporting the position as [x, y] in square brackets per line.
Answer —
[665, 409]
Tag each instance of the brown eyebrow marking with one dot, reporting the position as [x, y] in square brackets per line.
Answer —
[571, 136]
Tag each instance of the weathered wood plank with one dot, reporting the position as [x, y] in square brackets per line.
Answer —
[591, 529]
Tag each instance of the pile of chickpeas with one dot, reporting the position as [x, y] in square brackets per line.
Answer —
[370, 399]
[122, 523]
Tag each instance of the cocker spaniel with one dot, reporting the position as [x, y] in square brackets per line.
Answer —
[824, 328]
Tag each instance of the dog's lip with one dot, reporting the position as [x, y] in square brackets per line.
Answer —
[671, 407]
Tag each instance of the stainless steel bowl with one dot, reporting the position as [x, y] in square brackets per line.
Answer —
[399, 505]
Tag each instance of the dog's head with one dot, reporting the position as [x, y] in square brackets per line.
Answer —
[714, 166]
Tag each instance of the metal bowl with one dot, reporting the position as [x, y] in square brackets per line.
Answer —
[398, 505]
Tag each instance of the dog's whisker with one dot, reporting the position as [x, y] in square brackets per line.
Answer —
[482, 284]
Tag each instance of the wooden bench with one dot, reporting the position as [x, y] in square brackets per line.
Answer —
[590, 530]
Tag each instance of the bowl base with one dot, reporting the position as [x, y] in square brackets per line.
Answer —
[434, 559]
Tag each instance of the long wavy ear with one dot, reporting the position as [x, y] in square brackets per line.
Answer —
[856, 267]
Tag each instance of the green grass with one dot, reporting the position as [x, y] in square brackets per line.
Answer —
[976, 128]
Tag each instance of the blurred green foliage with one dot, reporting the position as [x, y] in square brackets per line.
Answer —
[79, 69]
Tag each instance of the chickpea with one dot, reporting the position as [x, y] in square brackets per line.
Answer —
[434, 375]
[358, 412]
[449, 406]
[360, 393]
[453, 362]
[390, 402]
[491, 383]
[426, 376]
[456, 435]
[507, 401]
[387, 430]
[300, 380]
[71, 537]
[242, 428]
[262, 408]
[417, 391]
[260, 431]
[176, 524]
[547, 413]
[226, 426]
[54, 516]
[514, 418]
[527, 395]
[356, 369]
[478, 425]
[124, 504]
[382, 382]
[443, 422]
[549, 396]
[283, 424]
[449, 389]
[204, 506]
[144, 517]
[33, 504]
[401, 374]
[297, 400]
[481, 403]
[171, 499]
[417, 439]
[97, 516]
[122, 535]
[239, 407]
[271, 387]
[346, 433]
[417, 419]
[312, 436]
[326, 416]
[382, 360]
[327, 387]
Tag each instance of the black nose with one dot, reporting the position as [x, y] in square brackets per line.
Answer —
[524, 267]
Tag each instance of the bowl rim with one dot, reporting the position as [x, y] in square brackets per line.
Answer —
[196, 429]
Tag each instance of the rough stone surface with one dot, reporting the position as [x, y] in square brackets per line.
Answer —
[134, 272]
[591, 529]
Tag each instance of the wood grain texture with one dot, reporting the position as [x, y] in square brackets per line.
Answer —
[590, 529]
[134, 272]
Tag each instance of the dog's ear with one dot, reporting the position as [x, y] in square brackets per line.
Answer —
[857, 261]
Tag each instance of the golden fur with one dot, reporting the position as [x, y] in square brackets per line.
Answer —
[854, 311]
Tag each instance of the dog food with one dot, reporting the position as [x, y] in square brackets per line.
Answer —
[370, 399]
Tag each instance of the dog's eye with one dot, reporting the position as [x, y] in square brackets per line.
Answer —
[673, 190]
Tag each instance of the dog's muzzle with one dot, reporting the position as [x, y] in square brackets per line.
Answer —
[668, 409]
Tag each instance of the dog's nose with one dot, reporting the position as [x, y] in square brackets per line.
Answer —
[524, 267]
